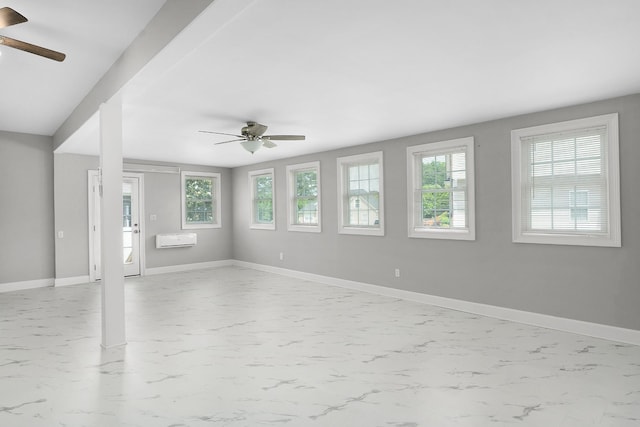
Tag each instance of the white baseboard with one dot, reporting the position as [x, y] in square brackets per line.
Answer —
[26, 284]
[66, 281]
[596, 330]
[187, 267]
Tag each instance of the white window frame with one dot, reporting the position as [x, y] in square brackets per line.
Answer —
[291, 208]
[414, 184]
[343, 185]
[252, 185]
[612, 238]
[215, 176]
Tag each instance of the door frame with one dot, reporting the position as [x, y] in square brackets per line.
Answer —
[92, 193]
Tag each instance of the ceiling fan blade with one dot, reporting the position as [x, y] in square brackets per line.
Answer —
[10, 17]
[221, 133]
[32, 48]
[284, 137]
[255, 129]
[233, 140]
[268, 144]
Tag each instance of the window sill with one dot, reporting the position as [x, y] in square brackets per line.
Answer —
[200, 226]
[262, 227]
[601, 240]
[361, 231]
[446, 234]
[305, 228]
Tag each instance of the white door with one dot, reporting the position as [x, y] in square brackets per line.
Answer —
[131, 227]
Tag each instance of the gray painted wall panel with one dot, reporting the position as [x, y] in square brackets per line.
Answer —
[162, 198]
[593, 284]
[71, 213]
[26, 206]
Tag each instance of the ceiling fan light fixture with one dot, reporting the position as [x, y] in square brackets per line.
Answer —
[252, 145]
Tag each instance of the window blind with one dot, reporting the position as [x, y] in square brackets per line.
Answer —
[564, 184]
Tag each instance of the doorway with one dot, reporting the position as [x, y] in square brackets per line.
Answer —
[132, 227]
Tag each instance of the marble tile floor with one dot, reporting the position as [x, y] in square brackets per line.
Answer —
[238, 347]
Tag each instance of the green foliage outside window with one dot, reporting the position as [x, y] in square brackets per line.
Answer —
[436, 197]
[199, 200]
[306, 197]
[264, 199]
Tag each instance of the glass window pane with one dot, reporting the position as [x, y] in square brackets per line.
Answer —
[541, 170]
[360, 202]
[263, 186]
[589, 146]
[564, 168]
[556, 202]
[541, 152]
[589, 167]
[199, 188]
[564, 149]
[262, 199]
[199, 204]
[374, 185]
[374, 171]
[306, 184]
[353, 173]
[363, 172]
[428, 170]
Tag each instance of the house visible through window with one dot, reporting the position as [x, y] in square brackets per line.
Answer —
[441, 194]
[200, 195]
[579, 206]
[360, 181]
[303, 193]
[565, 187]
[262, 199]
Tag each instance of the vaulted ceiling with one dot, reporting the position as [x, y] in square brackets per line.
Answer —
[341, 72]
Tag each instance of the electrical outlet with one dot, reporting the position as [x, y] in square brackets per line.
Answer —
[281, 256]
[397, 272]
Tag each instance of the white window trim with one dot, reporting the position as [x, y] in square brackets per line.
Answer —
[218, 199]
[290, 196]
[252, 174]
[376, 157]
[610, 239]
[437, 148]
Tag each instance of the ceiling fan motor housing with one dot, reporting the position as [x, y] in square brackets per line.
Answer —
[253, 129]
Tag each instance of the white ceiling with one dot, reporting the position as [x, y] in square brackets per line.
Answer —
[341, 72]
[38, 94]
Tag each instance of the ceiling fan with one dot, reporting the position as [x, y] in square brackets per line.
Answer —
[10, 17]
[252, 137]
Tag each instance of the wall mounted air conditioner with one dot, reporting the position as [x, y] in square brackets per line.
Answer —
[176, 240]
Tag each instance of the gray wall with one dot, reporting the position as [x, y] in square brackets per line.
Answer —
[26, 206]
[593, 284]
[72, 213]
[162, 198]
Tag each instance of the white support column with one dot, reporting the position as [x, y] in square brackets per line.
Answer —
[113, 322]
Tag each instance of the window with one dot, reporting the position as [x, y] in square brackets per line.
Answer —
[360, 190]
[262, 199]
[303, 194]
[441, 190]
[579, 205]
[200, 200]
[565, 183]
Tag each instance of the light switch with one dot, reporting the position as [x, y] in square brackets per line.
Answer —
[60, 234]
[153, 217]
